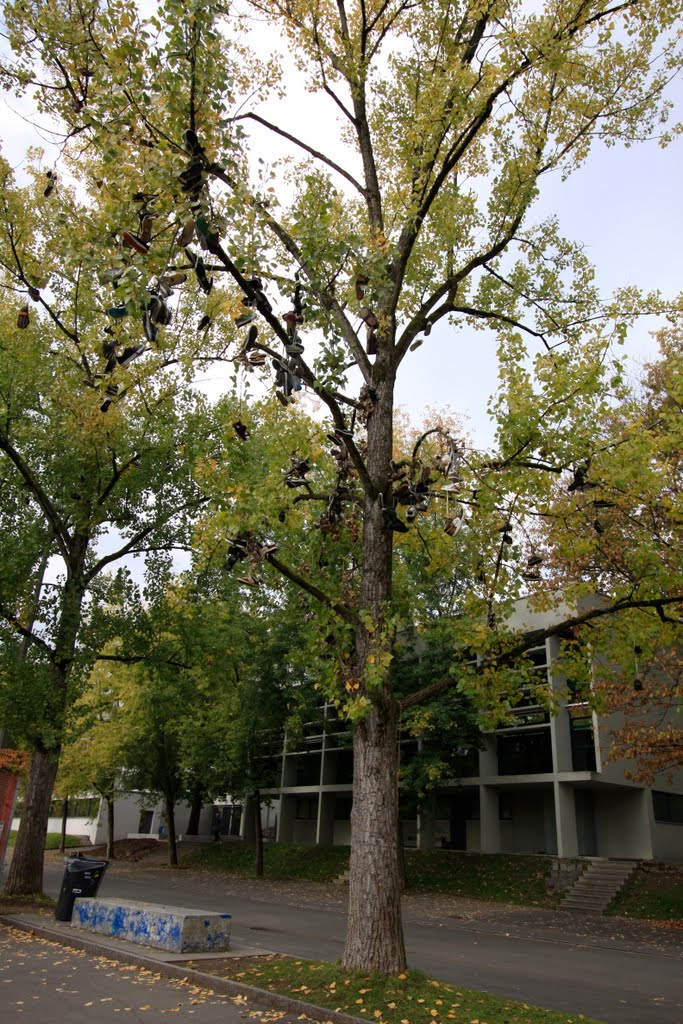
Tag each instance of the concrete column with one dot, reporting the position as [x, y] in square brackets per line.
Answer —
[488, 757]
[565, 820]
[642, 828]
[560, 736]
[325, 831]
[489, 819]
[285, 829]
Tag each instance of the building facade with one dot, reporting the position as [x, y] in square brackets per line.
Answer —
[541, 784]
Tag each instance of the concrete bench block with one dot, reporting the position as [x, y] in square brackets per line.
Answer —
[176, 929]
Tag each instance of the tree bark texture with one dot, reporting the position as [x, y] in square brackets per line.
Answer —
[374, 939]
[169, 801]
[26, 871]
[195, 812]
[25, 876]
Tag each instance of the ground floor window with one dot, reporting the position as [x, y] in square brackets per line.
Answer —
[78, 807]
[306, 808]
[668, 807]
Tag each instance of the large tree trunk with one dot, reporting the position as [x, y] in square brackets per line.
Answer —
[26, 871]
[258, 834]
[195, 811]
[374, 939]
[172, 839]
[65, 820]
[110, 828]
[25, 877]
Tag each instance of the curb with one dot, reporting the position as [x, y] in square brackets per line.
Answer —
[257, 997]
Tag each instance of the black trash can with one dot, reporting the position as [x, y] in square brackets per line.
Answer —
[82, 877]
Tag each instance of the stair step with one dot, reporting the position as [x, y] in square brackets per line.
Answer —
[595, 889]
[609, 874]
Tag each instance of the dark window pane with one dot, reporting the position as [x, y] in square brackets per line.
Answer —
[527, 753]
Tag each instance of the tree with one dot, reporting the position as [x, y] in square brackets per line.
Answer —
[450, 115]
[638, 527]
[168, 690]
[73, 471]
[265, 700]
[92, 756]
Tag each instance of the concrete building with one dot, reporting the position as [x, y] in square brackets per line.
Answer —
[541, 784]
[135, 814]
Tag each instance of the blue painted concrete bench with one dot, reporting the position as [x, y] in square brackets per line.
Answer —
[176, 929]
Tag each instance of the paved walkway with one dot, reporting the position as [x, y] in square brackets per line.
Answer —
[45, 980]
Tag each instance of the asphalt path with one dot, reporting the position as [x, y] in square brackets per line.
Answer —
[46, 983]
[554, 966]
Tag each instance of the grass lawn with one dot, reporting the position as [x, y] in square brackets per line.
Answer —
[507, 879]
[281, 860]
[52, 840]
[655, 891]
[8, 904]
[410, 998]
[515, 879]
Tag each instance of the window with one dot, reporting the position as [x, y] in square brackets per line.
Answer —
[308, 770]
[306, 808]
[583, 745]
[527, 753]
[536, 690]
[83, 807]
[342, 808]
[343, 765]
[668, 807]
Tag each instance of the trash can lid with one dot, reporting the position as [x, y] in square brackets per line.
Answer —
[85, 863]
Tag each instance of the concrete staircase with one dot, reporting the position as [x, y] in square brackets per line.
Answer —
[595, 889]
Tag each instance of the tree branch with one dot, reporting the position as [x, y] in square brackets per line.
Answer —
[53, 517]
[132, 546]
[310, 588]
[28, 635]
[536, 636]
[308, 149]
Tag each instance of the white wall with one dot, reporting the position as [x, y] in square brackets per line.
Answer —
[667, 841]
[622, 823]
[127, 810]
